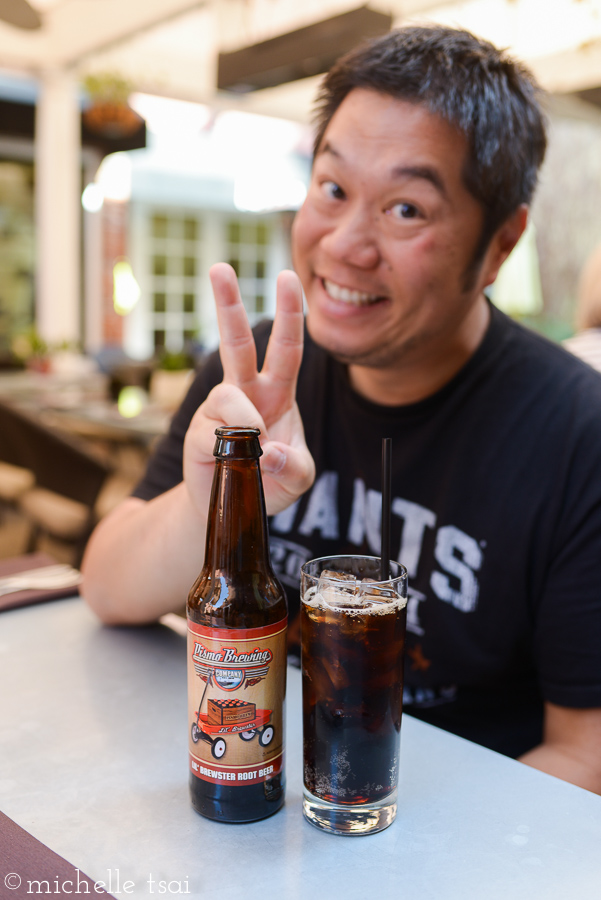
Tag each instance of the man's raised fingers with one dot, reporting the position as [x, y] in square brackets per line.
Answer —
[285, 348]
[237, 346]
[227, 404]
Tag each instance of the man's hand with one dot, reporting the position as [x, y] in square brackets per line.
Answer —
[264, 400]
[143, 557]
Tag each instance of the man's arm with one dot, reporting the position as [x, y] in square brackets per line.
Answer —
[143, 558]
[571, 747]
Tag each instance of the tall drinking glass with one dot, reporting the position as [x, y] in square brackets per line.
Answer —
[353, 637]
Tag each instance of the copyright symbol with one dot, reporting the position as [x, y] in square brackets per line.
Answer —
[12, 881]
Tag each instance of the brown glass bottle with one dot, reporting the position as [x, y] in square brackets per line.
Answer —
[237, 615]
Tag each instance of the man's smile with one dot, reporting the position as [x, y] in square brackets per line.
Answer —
[346, 295]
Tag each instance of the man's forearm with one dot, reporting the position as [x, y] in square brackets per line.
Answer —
[143, 558]
[564, 764]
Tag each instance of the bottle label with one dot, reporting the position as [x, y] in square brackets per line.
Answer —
[236, 689]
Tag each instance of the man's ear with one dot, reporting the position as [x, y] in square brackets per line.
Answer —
[503, 242]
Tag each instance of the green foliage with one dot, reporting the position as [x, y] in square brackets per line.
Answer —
[28, 344]
[175, 362]
[107, 87]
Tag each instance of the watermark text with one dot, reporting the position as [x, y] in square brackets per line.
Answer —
[114, 884]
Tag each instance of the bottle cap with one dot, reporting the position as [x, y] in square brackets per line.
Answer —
[237, 442]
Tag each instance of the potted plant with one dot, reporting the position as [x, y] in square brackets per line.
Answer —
[109, 113]
[171, 379]
[31, 350]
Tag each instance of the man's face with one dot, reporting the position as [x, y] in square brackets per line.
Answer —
[385, 240]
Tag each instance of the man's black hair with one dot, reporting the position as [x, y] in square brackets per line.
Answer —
[490, 98]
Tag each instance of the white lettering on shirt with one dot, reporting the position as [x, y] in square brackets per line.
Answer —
[284, 520]
[416, 519]
[448, 540]
[287, 557]
[365, 524]
[366, 516]
[322, 508]
[458, 554]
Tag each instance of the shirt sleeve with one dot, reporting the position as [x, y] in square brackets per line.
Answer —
[567, 624]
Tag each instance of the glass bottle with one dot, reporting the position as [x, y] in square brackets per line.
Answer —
[237, 617]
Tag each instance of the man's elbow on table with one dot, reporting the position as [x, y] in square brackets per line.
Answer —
[143, 558]
[571, 747]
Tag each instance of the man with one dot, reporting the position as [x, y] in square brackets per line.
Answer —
[426, 156]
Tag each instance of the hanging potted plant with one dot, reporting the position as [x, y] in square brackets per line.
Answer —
[109, 113]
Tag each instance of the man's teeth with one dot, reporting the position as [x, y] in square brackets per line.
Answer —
[347, 296]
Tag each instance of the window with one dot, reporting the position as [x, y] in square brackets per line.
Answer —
[247, 248]
[174, 239]
[172, 251]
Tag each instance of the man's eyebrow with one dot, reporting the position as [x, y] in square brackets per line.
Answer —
[427, 173]
[327, 148]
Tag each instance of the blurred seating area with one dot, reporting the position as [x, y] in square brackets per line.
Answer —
[73, 445]
[50, 480]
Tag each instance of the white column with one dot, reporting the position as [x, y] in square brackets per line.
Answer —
[92, 264]
[137, 325]
[58, 210]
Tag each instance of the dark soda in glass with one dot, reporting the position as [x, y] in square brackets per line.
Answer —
[353, 637]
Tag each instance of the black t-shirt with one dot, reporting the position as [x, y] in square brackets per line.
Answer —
[496, 513]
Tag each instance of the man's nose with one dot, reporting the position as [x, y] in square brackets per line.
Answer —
[352, 239]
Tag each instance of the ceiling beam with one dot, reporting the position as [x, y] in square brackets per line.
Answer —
[297, 54]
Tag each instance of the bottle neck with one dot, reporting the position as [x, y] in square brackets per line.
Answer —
[237, 537]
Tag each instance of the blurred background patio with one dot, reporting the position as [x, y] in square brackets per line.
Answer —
[143, 140]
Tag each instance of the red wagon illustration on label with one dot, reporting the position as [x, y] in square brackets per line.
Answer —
[230, 715]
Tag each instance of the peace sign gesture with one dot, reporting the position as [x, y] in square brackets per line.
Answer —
[265, 399]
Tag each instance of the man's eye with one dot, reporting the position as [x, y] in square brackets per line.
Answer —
[404, 211]
[331, 189]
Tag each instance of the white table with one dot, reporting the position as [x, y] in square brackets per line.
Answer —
[93, 762]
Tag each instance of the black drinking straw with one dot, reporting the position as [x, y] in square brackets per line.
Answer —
[386, 491]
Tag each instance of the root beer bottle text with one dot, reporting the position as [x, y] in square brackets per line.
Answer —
[237, 616]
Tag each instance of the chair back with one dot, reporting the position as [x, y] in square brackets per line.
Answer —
[59, 464]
